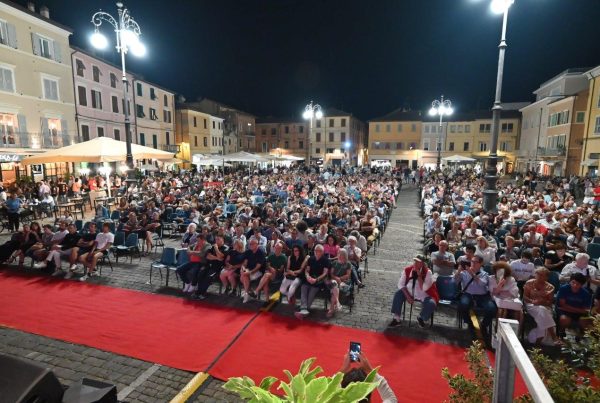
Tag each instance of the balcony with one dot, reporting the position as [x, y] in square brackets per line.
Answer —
[172, 148]
[36, 140]
[551, 152]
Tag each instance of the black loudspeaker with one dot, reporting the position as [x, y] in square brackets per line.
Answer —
[91, 391]
[25, 382]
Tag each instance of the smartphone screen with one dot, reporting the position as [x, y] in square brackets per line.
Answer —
[354, 351]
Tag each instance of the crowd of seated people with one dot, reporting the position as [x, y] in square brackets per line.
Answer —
[293, 230]
[535, 255]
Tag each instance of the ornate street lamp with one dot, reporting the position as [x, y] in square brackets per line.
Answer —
[440, 107]
[311, 111]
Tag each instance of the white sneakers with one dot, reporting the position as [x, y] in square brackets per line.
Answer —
[40, 265]
[186, 287]
[245, 297]
[85, 277]
[74, 267]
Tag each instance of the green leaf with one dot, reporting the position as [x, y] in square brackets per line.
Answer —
[305, 365]
[315, 388]
[289, 375]
[264, 396]
[357, 391]
[312, 374]
[268, 382]
[299, 387]
[371, 377]
[332, 386]
[240, 387]
[289, 393]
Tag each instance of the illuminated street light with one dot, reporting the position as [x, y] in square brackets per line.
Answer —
[128, 34]
[311, 111]
[440, 107]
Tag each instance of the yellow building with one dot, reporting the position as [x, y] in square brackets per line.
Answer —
[510, 128]
[395, 140]
[37, 108]
[193, 129]
[590, 155]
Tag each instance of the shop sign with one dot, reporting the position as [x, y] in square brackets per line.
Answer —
[10, 158]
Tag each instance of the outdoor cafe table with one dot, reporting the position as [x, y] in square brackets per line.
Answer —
[69, 207]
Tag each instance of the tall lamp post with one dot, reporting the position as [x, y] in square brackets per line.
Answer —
[311, 111]
[440, 107]
[490, 193]
[127, 33]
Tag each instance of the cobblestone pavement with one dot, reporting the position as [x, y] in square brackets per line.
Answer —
[140, 381]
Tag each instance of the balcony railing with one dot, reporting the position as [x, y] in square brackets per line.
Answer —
[551, 152]
[172, 148]
[36, 140]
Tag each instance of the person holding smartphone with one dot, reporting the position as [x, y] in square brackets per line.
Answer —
[357, 371]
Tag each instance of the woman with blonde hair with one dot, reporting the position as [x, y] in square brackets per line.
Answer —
[538, 295]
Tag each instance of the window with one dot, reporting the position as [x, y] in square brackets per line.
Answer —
[96, 99]
[580, 117]
[85, 133]
[115, 104]
[377, 128]
[139, 89]
[426, 129]
[558, 118]
[154, 141]
[388, 128]
[331, 137]
[214, 124]
[505, 146]
[466, 145]
[7, 82]
[318, 150]
[343, 122]
[330, 151]
[331, 123]
[426, 145]
[113, 80]
[168, 138]
[96, 73]
[264, 147]
[318, 137]
[438, 146]
[343, 137]
[451, 146]
[100, 131]
[301, 129]
[273, 131]
[467, 128]
[79, 67]
[413, 127]
[205, 124]
[413, 146]
[319, 123]
[482, 146]
[139, 109]
[82, 95]
[195, 122]
[54, 127]
[459, 128]
[152, 93]
[452, 129]
[205, 142]
[45, 47]
[399, 146]
[399, 127]
[485, 128]
[301, 144]
[286, 129]
[556, 142]
[166, 100]
[153, 114]
[50, 88]
[195, 141]
[117, 134]
[286, 144]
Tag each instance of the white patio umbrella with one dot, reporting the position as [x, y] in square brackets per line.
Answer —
[243, 156]
[100, 149]
[458, 158]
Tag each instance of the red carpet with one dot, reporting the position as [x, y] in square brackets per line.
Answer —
[164, 330]
[272, 343]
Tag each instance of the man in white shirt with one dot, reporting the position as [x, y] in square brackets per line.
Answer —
[523, 269]
[414, 285]
[581, 265]
[104, 241]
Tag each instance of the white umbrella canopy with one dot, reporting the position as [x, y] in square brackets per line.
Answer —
[458, 158]
[243, 156]
[100, 149]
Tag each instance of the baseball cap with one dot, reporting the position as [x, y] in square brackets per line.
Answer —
[419, 258]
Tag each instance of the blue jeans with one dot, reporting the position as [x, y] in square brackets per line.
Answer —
[484, 302]
[428, 306]
[188, 272]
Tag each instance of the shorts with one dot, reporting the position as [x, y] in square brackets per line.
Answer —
[573, 316]
[256, 275]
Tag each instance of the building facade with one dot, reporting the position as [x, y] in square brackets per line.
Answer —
[552, 137]
[282, 137]
[590, 154]
[153, 114]
[100, 103]
[37, 108]
[395, 140]
[338, 138]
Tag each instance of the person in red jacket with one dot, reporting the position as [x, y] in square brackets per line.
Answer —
[415, 284]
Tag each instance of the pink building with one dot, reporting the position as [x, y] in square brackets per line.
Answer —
[99, 100]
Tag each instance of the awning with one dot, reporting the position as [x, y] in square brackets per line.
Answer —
[458, 158]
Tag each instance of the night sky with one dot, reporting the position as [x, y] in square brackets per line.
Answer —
[270, 57]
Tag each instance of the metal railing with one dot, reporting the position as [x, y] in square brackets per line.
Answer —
[510, 353]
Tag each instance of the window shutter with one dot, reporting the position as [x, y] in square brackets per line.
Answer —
[11, 34]
[47, 89]
[23, 135]
[47, 140]
[57, 52]
[35, 43]
[65, 133]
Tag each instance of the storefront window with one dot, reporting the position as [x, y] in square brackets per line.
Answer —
[56, 170]
[8, 124]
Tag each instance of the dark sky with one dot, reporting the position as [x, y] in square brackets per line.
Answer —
[270, 57]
